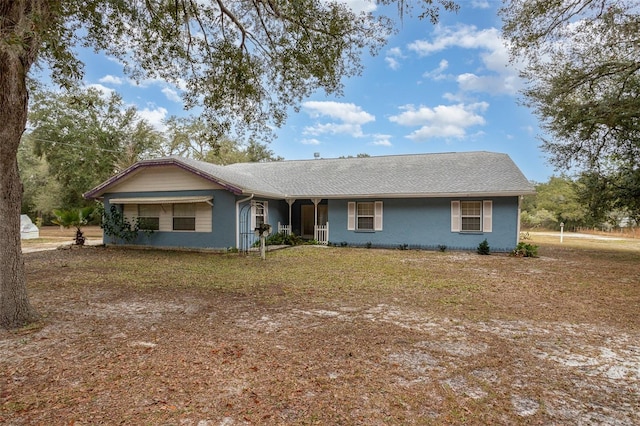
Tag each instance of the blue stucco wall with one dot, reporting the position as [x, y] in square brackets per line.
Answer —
[426, 223]
[223, 223]
[416, 223]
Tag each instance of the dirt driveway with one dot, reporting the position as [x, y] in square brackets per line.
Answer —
[331, 336]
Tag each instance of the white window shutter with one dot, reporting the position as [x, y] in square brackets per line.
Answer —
[253, 216]
[266, 211]
[487, 216]
[351, 216]
[455, 216]
[377, 220]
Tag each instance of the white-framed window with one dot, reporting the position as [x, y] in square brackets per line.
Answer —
[259, 213]
[471, 216]
[364, 216]
[184, 217]
[149, 216]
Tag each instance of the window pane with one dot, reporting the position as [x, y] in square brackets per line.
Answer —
[184, 223]
[365, 223]
[184, 217]
[471, 208]
[149, 210]
[149, 223]
[186, 209]
[365, 209]
[470, 223]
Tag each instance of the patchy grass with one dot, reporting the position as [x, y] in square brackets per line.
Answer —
[318, 335]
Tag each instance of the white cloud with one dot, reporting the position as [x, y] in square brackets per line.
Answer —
[392, 57]
[437, 74]
[453, 97]
[465, 36]
[171, 94]
[498, 75]
[480, 4]
[106, 91]
[361, 5]
[381, 140]
[111, 79]
[345, 112]
[333, 129]
[445, 121]
[392, 63]
[311, 141]
[155, 116]
[395, 52]
[492, 84]
[438, 131]
[350, 118]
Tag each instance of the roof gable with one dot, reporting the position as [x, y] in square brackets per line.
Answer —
[162, 178]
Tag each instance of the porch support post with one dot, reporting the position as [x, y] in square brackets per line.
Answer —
[315, 202]
[290, 201]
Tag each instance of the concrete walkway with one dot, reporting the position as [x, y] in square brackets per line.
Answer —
[33, 248]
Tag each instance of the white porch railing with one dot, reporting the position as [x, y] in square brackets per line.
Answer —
[321, 234]
[284, 229]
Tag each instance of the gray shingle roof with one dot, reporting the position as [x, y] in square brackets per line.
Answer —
[397, 175]
[417, 175]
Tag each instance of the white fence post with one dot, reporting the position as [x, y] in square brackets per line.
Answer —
[321, 233]
[284, 229]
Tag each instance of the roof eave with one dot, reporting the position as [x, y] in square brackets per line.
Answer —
[417, 195]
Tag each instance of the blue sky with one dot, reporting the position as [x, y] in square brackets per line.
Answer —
[440, 88]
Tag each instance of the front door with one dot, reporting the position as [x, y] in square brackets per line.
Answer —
[308, 218]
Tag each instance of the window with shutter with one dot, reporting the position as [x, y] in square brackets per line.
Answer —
[471, 216]
[364, 216]
[259, 211]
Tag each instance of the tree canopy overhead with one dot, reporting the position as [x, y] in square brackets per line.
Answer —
[582, 63]
[245, 61]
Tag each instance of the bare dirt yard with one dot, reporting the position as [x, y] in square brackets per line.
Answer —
[328, 336]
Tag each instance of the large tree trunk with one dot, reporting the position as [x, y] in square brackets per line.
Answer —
[15, 61]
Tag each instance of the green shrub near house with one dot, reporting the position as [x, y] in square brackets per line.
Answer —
[525, 250]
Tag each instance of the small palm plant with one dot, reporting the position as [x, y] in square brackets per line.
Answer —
[74, 218]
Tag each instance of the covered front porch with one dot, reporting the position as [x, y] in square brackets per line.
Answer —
[308, 218]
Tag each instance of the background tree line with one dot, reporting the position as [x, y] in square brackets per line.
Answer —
[563, 199]
[78, 138]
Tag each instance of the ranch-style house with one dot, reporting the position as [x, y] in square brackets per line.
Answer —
[452, 200]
